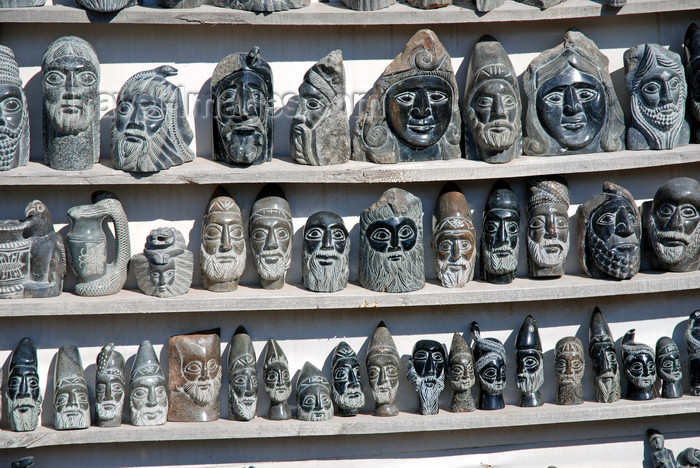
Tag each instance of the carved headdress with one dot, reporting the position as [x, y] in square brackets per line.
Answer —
[529, 335]
[630, 348]
[382, 343]
[111, 361]
[274, 353]
[486, 349]
[546, 190]
[14, 151]
[241, 345]
[146, 363]
[69, 368]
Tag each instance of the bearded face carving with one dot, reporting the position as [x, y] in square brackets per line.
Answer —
[490, 364]
[460, 373]
[148, 396]
[668, 366]
[529, 363]
[640, 368]
[569, 365]
[110, 387]
[313, 395]
[277, 382]
[383, 366]
[500, 244]
[547, 226]
[326, 254]
[23, 396]
[242, 377]
[14, 115]
[454, 238]
[71, 408]
[165, 267]
[426, 372]
[601, 349]
[347, 383]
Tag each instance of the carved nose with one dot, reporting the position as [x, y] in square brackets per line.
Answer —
[665, 94]
[550, 225]
[327, 243]
[271, 240]
[317, 405]
[572, 105]
[108, 392]
[225, 240]
[23, 388]
[72, 399]
[352, 378]
[498, 110]
[502, 235]
[151, 399]
[675, 222]
[429, 366]
[623, 224]
[382, 377]
[421, 105]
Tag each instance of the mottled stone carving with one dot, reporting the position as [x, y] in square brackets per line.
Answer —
[640, 368]
[426, 373]
[148, 398]
[542, 4]
[460, 373]
[668, 365]
[691, 60]
[242, 377]
[493, 109]
[601, 349]
[656, 83]
[277, 382]
[194, 368]
[383, 367]
[347, 382]
[500, 246]
[222, 253]
[412, 114]
[70, 76]
[484, 6]
[262, 5]
[320, 131]
[454, 238]
[105, 6]
[32, 255]
[547, 226]
[692, 340]
[179, 3]
[241, 88]
[569, 365]
[671, 236]
[529, 363]
[270, 229]
[660, 457]
[150, 131]
[87, 246]
[71, 405]
[571, 103]
[23, 397]
[326, 253]
[110, 387]
[21, 4]
[165, 267]
[391, 243]
[609, 232]
[368, 5]
[490, 364]
[14, 114]
[314, 401]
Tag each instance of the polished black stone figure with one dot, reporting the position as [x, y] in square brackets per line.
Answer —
[347, 382]
[660, 457]
[314, 401]
[569, 365]
[656, 83]
[148, 396]
[326, 253]
[242, 377]
[241, 87]
[426, 373]
[671, 237]
[640, 368]
[383, 367]
[14, 113]
[460, 373]
[32, 255]
[689, 457]
[609, 232]
[499, 240]
[277, 383]
[547, 226]
[71, 408]
[110, 387]
[412, 114]
[23, 397]
[601, 349]
[165, 267]
[150, 131]
[490, 363]
[691, 60]
[571, 103]
[493, 109]
[692, 340]
[668, 365]
[529, 363]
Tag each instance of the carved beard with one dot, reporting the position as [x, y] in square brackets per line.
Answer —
[387, 275]
[77, 419]
[24, 413]
[385, 394]
[222, 272]
[272, 271]
[70, 124]
[206, 396]
[498, 135]
[542, 257]
[501, 265]
[109, 409]
[243, 407]
[608, 387]
[144, 416]
[659, 116]
[326, 278]
[611, 261]
[660, 129]
[240, 146]
[9, 146]
[695, 109]
[147, 153]
[454, 274]
[428, 395]
[674, 254]
[640, 382]
[302, 143]
[352, 399]
[528, 382]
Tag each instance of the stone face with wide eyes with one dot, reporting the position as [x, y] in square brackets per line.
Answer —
[500, 236]
[14, 114]
[326, 253]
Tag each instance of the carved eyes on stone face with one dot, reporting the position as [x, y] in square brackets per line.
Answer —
[384, 235]
[462, 244]
[273, 377]
[486, 102]
[654, 87]
[242, 380]
[57, 78]
[492, 227]
[637, 368]
[11, 105]
[610, 219]
[530, 363]
[408, 97]
[374, 372]
[669, 209]
[538, 222]
[583, 93]
[313, 104]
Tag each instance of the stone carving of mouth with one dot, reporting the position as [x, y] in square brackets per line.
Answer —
[575, 123]
[248, 401]
[133, 135]
[395, 257]
[353, 395]
[271, 258]
[626, 247]
[318, 415]
[71, 106]
[501, 252]
[429, 381]
[674, 243]
[421, 126]
[325, 260]
[108, 405]
[646, 381]
[497, 385]
[281, 390]
[552, 249]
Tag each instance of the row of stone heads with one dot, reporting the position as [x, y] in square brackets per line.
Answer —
[412, 113]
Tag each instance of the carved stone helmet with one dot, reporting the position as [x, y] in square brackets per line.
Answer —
[382, 343]
[452, 210]
[240, 344]
[111, 361]
[529, 335]
[328, 75]
[630, 348]
[599, 331]
[274, 353]
[665, 345]
[502, 197]
[547, 191]
[69, 367]
[242, 61]
[146, 363]
[486, 349]
[341, 352]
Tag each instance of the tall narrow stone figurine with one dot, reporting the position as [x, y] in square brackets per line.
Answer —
[148, 398]
[14, 113]
[460, 373]
[320, 131]
[412, 114]
[277, 382]
[668, 366]
[547, 226]
[601, 349]
[314, 401]
[391, 243]
[609, 232]
[691, 59]
[571, 103]
[692, 340]
[71, 408]
[326, 253]
[241, 88]
[165, 267]
[150, 131]
[242, 377]
[383, 366]
[347, 382]
[110, 387]
[490, 363]
[493, 109]
[426, 373]
[656, 83]
[23, 397]
[640, 368]
[194, 368]
[222, 253]
[70, 76]
[500, 245]
[454, 238]
[569, 365]
[529, 363]
[660, 457]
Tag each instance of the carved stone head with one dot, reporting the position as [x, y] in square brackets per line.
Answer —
[314, 401]
[547, 226]
[640, 368]
[383, 366]
[14, 121]
[347, 383]
[71, 408]
[150, 131]
[691, 59]
[23, 392]
[105, 6]
[412, 114]
[391, 243]
[165, 267]
[499, 240]
[460, 364]
[276, 373]
[454, 238]
[529, 363]
[148, 396]
[609, 232]
[493, 109]
[223, 252]
[601, 349]
[241, 87]
[490, 363]
[670, 225]
[668, 360]
[326, 253]
[569, 365]
[426, 372]
[571, 103]
[261, 5]
[242, 377]
[110, 387]
[692, 340]
[656, 84]
[320, 132]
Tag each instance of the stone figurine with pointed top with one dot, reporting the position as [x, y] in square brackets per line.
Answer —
[383, 367]
[326, 253]
[23, 397]
[692, 340]
[500, 245]
[242, 377]
[426, 373]
[148, 396]
[14, 124]
[668, 367]
[640, 368]
[689, 457]
[547, 226]
[277, 382]
[490, 364]
[110, 387]
[71, 408]
[165, 267]
[347, 382]
[601, 350]
[314, 401]
[569, 366]
[454, 238]
[571, 103]
[529, 363]
[460, 373]
[412, 114]
[691, 60]
[320, 131]
[391, 243]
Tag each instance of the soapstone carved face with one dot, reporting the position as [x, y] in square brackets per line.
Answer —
[494, 115]
[222, 252]
[271, 233]
[500, 237]
[149, 401]
[313, 395]
[243, 386]
[326, 254]
[426, 372]
[71, 403]
[165, 267]
[548, 223]
[277, 382]
[639, 364]
[604, 359]
[200, 367]
[14, 115]
[614, 237]
[109, 385]
[569, 362]
[454, 247]
[529, 370]
[461, 371]
[347, 384]
[383, 371]
[23, 392]
[669, 364]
